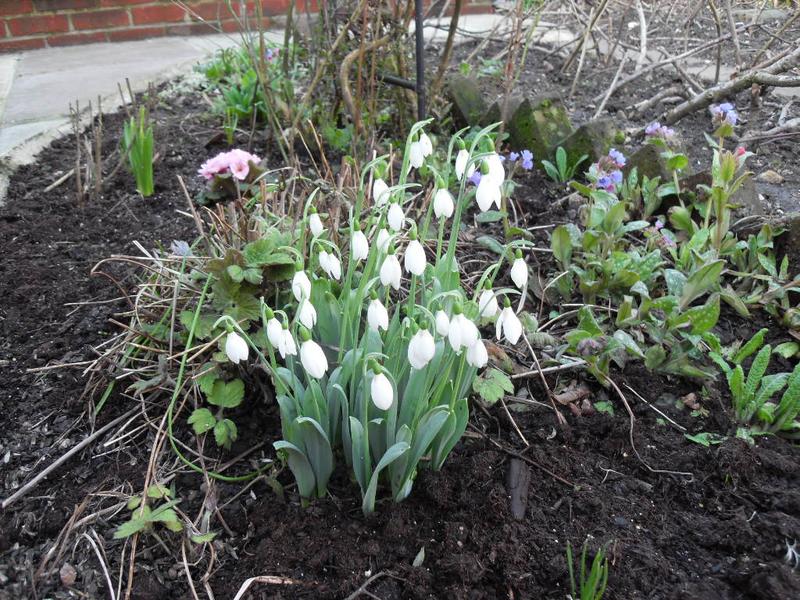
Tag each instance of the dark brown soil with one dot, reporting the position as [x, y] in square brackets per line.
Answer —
[679, 520]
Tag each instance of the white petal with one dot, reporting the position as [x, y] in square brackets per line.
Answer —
[315, 224]
[382, 392]
[236, 348]
[487, 304]
[477, 356]
[395, 217]
[427, 145]
[462, 158]
[512, 326]
[313, 359]
[274, 332]
[414, 259]
[360, 246]
[416, 155]
[288, 343]
[488, 193]
[380, 192]
[391, 273]
[496, 171]
[519, 273]
[442, 323]
[383, 240]
[443, 204]
[377, 316]
[421, 349]
[307, 314]
[301, 286]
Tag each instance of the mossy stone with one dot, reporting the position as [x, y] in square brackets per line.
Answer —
[467, 103]
[594, 139]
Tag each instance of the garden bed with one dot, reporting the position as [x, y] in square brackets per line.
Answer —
[680, 520]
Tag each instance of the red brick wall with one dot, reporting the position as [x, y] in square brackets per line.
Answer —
[31, 24]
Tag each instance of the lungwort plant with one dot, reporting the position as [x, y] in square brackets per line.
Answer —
[379, 347]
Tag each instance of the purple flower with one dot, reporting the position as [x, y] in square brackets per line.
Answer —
[724, 113]
[726, 107]
[616, 177]
[617, 157]
[180, 248]
[653, 129]
[475, 178]
[605, 183]
[659, 224]
[732, 117]
[513, 156]
[527, 160]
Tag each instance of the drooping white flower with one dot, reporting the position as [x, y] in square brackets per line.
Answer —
[421, 349]
[416, 155]
[442, 323]
[477, 356]
[443, 205]
[381, 392]
[359, 246]
[382, 240]
[391, 273]
[462, 333]
[380, 192]
[287, 346]
[487, 304]
[395, 217]
[462, 158]
[315, 224]
[307, 314]
[497, 172]
[377, 316]
[519, 272]
[330, 264]
[301, 286]
[427, 145]
[274, 332]
[488, 193]
[313, 359]
[236, 348]
[415, 260]
[508, 325]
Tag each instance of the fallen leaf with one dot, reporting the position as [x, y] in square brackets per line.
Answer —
[68, 575]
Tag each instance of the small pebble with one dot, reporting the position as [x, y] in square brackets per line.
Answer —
[770, 176]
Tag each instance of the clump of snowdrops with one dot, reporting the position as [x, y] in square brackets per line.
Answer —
[379, 348]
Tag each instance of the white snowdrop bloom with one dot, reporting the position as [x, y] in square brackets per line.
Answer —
[443, 204]
[274, 332]
[508, 325]
[487, 304]
[236, 348]
[380, 192]
[497, 172]
[395, 217]
[442, 323]
[313, 359]
[421, 349]
[519, 272]
[427, 145]
[477, 356]
[315, 224]
[415, 260]
[462, 333]
[382, 240]
[301, 286]
[330, 264]
[488, 193]
[416, 155]
[391, 273]
[359, 246]
[381, 392]
[307, 314]
[462, 158]
[377, 316]
[287, 347]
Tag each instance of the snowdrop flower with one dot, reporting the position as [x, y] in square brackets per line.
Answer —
[377, 316]
[508, 325]
[427, 145]
[463, 333]
[236, 348]
[395, 217]
[477, 356]
[442, 323]
[301, 286]
[519, 271]
[330, 264]
[274, 332]
[313, 358]
[380, 192]
[391, 272]
[416, 155]
[497, 172]
[415, 260]
[421, 349]
[359, 246]
[488, 193]
[288, 347]
[381, 392]
[383, 240]
[487, 304]
[315, 224]
[462, 158]
[443, 205]
[307, 314]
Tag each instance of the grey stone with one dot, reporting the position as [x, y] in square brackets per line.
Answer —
[467, 103]
[538, 124]
[593, 139]
[770, 176]
[648, 161]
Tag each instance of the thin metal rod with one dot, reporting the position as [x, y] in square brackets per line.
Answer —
[420, 57]
[398, 81]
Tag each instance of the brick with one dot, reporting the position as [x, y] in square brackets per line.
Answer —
[136, 33]
[16, 7]
[17, 45]
[124, 3]
[73, 39]
[38, 24]
[233, 26]
[101, 19]
[168, 13]
[210, 11]
[51, 5]
[191, 28]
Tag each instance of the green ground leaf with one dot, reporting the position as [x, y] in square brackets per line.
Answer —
[493, 385]
[202, 420]
[227, 395]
